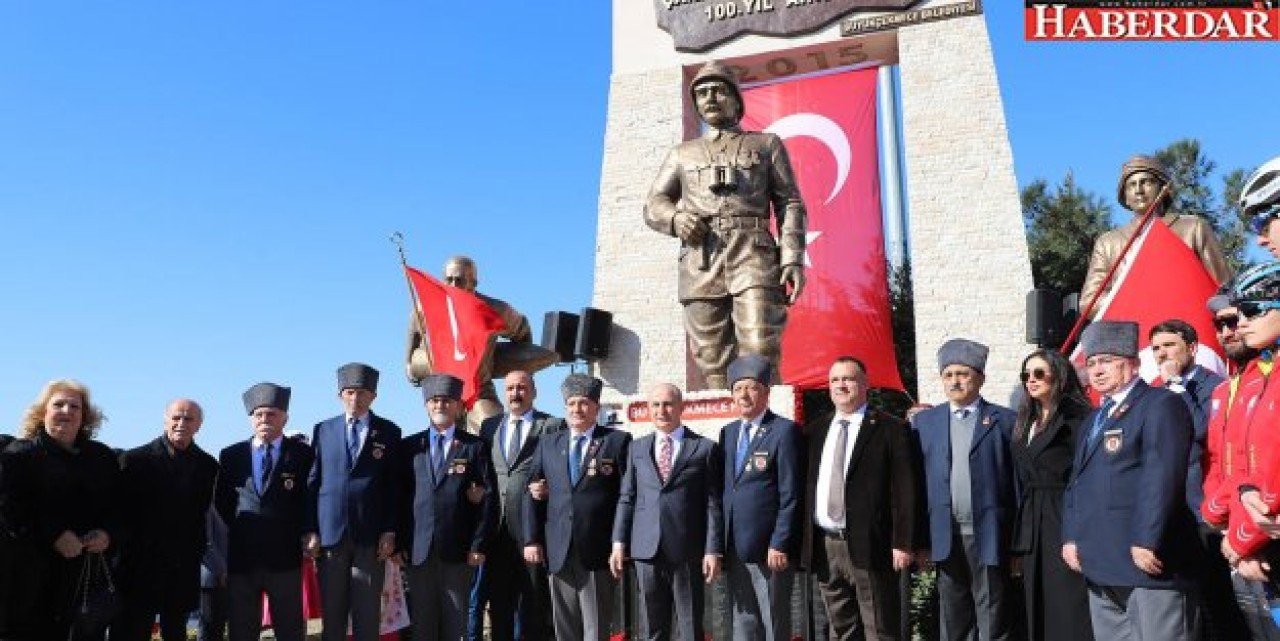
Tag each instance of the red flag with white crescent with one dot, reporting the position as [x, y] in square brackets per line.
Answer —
[1163, 279]
[458, 327]
[828, 124]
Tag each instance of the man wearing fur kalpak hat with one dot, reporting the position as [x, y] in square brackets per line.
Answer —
[262, 497]
[1141, 179]
[716, 193]
[351, 528]
[568, 518]
[446, 536]
[1126, 525]
[968, 473]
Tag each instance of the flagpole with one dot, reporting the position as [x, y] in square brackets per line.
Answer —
[1106, 280]
[398, 239]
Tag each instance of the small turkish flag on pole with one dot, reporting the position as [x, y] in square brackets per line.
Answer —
[458, 327]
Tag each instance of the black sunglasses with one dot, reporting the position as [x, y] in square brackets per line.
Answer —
[1251, 309]
[1226, 322]
[1038, 373]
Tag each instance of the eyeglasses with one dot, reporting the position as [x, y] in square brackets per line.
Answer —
[1038, 373]
[1251, 309]
[1226, 322]
[1260, 221]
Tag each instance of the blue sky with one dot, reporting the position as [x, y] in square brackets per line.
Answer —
[198, 196]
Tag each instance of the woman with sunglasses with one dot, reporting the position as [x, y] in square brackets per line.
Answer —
[1049, 415]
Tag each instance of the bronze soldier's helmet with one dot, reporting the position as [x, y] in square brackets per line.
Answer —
[714, 70]
[1139, 163]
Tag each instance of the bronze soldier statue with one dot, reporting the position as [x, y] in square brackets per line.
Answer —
[517, 352]
[716, 194]
[1141, 179]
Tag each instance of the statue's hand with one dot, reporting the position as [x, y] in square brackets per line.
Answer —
[689, 228]
[793, 275]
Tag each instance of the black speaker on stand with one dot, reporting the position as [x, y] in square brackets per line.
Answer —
[559, 333]
[595, 326]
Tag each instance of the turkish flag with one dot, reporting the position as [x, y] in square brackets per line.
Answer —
[828, 124]
[1163, 279]
[458, 327]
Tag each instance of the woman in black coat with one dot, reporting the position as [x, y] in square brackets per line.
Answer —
[57, 496]
[1049, 416]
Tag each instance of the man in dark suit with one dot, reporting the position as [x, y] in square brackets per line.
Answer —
[1126, 525]
[1175, 345]
[669, 520]
[513, 587]
[969, 484]
[568, 517]
[352, 516]
[762, 476]
[166, 490]
[262, 497]
[444, 534]
[863, 487]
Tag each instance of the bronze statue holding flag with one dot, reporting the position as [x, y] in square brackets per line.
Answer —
[494, 358]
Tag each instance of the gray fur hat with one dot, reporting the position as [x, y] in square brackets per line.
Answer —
[266, 395]
[359, 376]
[962, 351]
[753, 366]
[1217, 303]
[581, 385]
[1119, 338]
[434, 385]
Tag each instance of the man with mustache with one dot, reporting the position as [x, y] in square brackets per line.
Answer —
[969, 483]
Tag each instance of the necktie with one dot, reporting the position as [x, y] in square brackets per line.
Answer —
[267, 464]
[353, 441]
[744, 441]
[835, 488]
[1099, 420]
[664, 458]
[513, 439]
[575, 459]
[438, 457]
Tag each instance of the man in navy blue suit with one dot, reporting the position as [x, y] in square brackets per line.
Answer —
[762, 489]
[969, 485]
[444, 533]
[669, 520]
[568, 515]
[353, 509]
[1126, 525]
[261, 495]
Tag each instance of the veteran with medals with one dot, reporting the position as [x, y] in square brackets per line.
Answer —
[762, 492]
[261, 495]
[444, 534]
[569, 512]
[1126, 524]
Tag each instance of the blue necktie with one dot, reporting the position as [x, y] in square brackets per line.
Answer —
[267, 464]
[1103, 411]
[744, 441]
[575, 459]
[438, 456]
[353, 441]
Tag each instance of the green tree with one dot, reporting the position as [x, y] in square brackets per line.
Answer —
[1062, 223]
[1192, 173]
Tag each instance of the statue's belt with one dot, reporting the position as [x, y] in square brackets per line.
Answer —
[726, 223]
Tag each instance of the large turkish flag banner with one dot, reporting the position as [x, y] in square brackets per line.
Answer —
[828, 124]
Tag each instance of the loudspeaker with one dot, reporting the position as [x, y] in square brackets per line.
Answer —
[1044, 317]
[559, 330]
[594, 329]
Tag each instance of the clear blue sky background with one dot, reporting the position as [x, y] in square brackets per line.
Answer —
[197, 196]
